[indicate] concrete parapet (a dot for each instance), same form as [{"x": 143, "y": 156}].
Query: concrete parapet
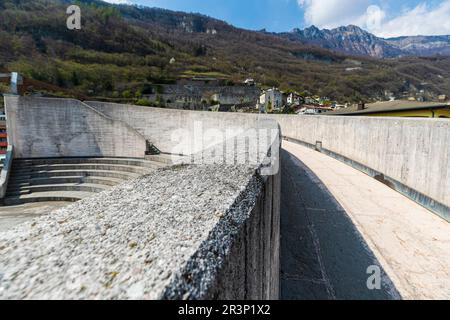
[
  {"x": 208, "y": 230},
  {"x": 240, "y": 258},
  {"x": 187, "y": 232}
]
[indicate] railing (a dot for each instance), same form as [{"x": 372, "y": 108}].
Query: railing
[
  {"x": 4, "y": 176},
  {"x": 151, "y": 149}
]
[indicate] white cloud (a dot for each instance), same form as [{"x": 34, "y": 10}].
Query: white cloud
[
  {"x": 420, "y": 20},
  {"x": 333, "y": 13}
]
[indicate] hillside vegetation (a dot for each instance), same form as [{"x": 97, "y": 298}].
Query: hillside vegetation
[{"x": 122, "y": 50}]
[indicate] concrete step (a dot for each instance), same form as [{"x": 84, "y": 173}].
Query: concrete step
[
  {"x": 90, "y": 166},
  {"x": 113, "y": 161},
  {"x": 69, "y": 196},
  {"x": 71, "y": 179},
  {"x": 168, "y": 159},
  {"x": 70, "y": 173},
  {"x": 107, "y": 181},
  {"x": 86, "y": 187},
  {"x": 16, "y": 192},
  {"x": 13, "y": 183}
]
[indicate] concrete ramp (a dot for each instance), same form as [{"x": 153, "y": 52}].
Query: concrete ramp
[{"x": 338, "y": 224}]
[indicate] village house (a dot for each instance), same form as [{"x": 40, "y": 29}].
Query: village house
[
  {"x": 271, "y": 99},
  {"x": 312, "y": 100},
  {"x": 250, "y": 82},
  {"x": 199, "y": 93},
  {"x": 294, "y": 99}
]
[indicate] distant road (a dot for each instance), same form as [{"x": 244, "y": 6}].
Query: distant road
[{"x": 337, "y": 222}]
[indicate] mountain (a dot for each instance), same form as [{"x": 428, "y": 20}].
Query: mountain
[
  {"x": 123, "y": 51},
  {"x": 422, "y": 45},
  {"x": 351, "y": 39},
  {"x": 356, "y": 41}
]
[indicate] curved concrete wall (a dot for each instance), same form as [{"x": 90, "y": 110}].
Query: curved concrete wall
[
  {"x": 410, "y": 155},
  {"x": 415, "y": 153},
  {"x": 168, "y": 128},
  {"x": 41, "y": 127}
]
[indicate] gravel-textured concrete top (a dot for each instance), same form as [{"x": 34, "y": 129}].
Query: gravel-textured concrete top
[{"x": 126, "y": 243}]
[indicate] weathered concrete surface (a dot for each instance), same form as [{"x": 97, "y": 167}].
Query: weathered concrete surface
[
  {"x": 240, "y": 260},
  {"x": 176, "y": 233},
  {"x": 41, "y": 127},
  {"x": 415, "y": 152},
  {"x": 12, "y": 216},
  {"x": 337, "y": 221}
]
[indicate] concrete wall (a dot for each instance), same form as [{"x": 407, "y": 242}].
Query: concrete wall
[
  {"x": 240, "y": 260},
  {"x": 252, "y": 270},
  {"x": 412, "y": 153},
  {"x": 168, "y": 128},
  {"x": 40, "y": 127}
]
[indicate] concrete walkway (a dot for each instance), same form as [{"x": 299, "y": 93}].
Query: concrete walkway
[
  {"x": 337, "y": 222},
  {"x": 11, "y": 216}
]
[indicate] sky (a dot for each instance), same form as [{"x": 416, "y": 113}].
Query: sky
[{"x": 384, "y": 18}]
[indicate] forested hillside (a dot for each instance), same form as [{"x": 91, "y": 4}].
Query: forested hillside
[{"x": 122, "y": 50}]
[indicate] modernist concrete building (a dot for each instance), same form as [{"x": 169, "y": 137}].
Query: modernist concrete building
[{"x": 226, "y": 210}]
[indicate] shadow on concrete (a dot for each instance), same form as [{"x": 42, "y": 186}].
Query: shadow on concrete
[{"x": 323, "y": 256}]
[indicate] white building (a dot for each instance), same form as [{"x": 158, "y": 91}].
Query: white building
[
  {"x": 293, "y": 98},
  {"x": 250, "y": 82},
  {"x": 272, "y": 99}
]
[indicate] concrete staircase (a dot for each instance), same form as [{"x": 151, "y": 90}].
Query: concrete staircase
[
  {"x": 71, "y": 179},
  {"x": 169, "y": 159}
]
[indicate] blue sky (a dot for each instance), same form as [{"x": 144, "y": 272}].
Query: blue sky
[{"x": 382, "y": 17}]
